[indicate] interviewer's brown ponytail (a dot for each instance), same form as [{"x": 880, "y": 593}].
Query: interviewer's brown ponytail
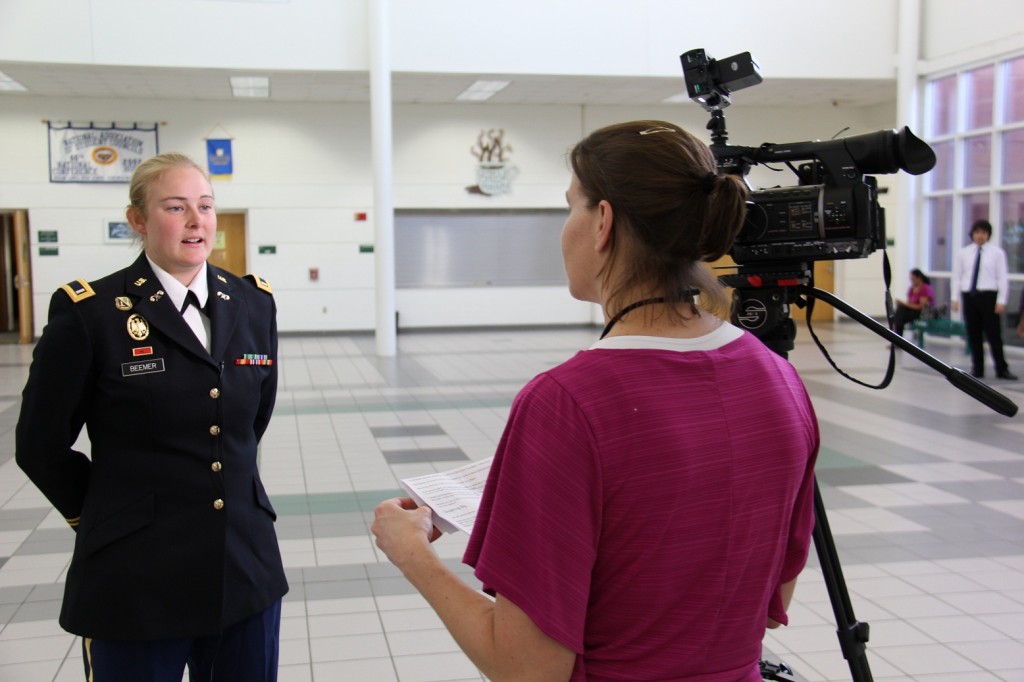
[{"x": 670, "y": 205}]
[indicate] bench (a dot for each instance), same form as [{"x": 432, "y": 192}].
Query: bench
[{"x": 938, "y": 327}]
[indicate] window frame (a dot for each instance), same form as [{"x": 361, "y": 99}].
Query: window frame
[{"x": 960, "y": 133}]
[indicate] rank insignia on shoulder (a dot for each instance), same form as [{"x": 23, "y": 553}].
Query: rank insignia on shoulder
[
  {"x": 122, "y": 303},
  {"x": 79, "y": 290},
  {"x": 261, "y": 283}
]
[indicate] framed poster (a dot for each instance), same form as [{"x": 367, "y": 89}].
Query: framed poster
[{"x": 117, "y": 231}]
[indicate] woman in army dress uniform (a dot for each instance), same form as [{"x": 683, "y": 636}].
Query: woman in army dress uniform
[{"x": 176, "y": 561}]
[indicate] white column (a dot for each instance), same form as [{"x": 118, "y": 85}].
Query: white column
[
  {"x": 903, "y": 221},
  {"x": 383, "y": 202}
]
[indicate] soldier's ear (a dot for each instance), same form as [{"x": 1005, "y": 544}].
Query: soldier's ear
[{"x": 136, "y": 219}]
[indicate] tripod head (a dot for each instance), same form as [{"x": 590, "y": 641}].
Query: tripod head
[{"x": 761, "y": 300}]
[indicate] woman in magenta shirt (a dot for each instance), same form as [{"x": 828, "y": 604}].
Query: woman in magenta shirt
[
  {"x": 650, "y": 504},
  {"x": 920, "y": 296}
]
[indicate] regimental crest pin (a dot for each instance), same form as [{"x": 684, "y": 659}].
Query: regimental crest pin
[
  {"x": 138, "y": 328},
  {"x": 157, "y": 296},
  {"x": 221, "y": 294},
  {"x": 123, "y": 303}
]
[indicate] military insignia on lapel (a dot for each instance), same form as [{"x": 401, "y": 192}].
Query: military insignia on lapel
[
  {"x": 221, "y": 294},
  {"x": 140, "y": 281},
  {"x": 123, "y": 303},
  {"x": 138, "y": 328},
  {"x": 222, "y": 278},
  {"x": 157, "y": 296}
]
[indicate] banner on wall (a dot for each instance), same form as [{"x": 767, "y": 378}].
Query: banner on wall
[
  {"x": 99, "y": 154},
  {"x": 218, "y": 157}
]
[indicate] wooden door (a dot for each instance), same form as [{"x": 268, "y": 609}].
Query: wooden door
[
  {"x": 229, "y": 246},
  {"x": 725, "y": 261},
  {"x": 8, "y": 290},
  {"x": 824, "y": 279},
  {"x": 23, "y": 276}
]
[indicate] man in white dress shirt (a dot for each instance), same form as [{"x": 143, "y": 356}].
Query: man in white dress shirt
[{"x": 980, "y": 279}]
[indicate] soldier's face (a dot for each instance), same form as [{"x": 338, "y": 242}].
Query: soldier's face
[{"x": 180, "y": 223}]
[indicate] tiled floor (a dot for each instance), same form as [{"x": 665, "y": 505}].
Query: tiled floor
[{"x": 924, "y": 489}]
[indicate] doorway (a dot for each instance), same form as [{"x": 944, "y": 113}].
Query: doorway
[
  {"x": 824, "y": 279},
  {"x": 229, "y": 245},
  {"x": 16, "y": 323}
]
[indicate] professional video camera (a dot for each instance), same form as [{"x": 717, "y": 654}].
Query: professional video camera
[{"x": 833, "y": 212}]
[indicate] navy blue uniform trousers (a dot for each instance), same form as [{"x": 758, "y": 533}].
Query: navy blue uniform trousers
[{"x": 244, "y": 652}]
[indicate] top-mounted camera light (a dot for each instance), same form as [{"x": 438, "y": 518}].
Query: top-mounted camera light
[{"x": 709, "y": 82}]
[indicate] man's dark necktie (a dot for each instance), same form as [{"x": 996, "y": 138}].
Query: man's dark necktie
[{"x": 974, "y": 275}]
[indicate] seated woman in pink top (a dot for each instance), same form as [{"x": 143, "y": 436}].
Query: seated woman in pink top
[
  {"x": 920, "y": 295},
  {"x": 650, "y": 504}
]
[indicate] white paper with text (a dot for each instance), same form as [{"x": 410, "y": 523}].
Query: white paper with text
[{"x": 453, "y": 496}]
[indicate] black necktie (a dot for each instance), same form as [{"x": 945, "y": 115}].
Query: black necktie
[
  {"x": 974, "y": 275},
  {"x": 191, "y": 299}
]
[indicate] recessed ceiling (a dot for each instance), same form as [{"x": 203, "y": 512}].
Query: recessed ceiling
[{"x": 130, "y": 82}]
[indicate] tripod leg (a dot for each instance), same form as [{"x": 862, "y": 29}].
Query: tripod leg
[{"x": 853, "y": 635}]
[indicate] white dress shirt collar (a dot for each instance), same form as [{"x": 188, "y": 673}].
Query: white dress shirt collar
[{"x": 177, "y": 291}]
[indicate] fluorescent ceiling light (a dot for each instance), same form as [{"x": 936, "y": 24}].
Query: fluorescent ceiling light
[
  {"x": 481, "y": 90},
  {"x": 9, "y": 84},
  {"x": 250, "y": 86}
]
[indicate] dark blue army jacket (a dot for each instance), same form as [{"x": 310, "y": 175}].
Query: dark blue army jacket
[{"x": 175, "y": 532}]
